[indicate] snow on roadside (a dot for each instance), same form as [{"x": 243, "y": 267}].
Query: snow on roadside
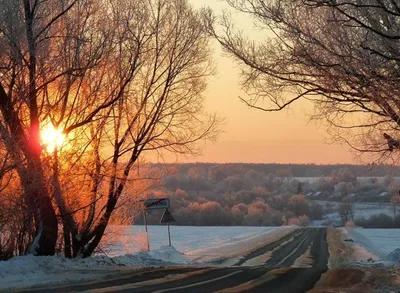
[
  {"x": 200, "y": 243},
  {"x": 26, "y": 271},
  {"x": 383, "y": 244},
  {"x": 169, "y": 254},
  {"x": 379, "y": 241},
  {"x": 365, "y": 242},
  {"x": 362, "y": 246}
]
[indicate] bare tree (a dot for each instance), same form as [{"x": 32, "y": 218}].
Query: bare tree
[
  {"x": 346, "y": 210},
  {"x": 341, "y": 55},
  {"x": 119, "y": 78},
  {"x": 35, "y": 37}
]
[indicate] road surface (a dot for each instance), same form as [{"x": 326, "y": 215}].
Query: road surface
[{"x": 293, "y": 263}]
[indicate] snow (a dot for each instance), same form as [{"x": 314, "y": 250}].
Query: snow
[
  {"x": 26, "y": 271},
  {"x": 360, "y": 210},
  {"x": 233, "y": 248},
  {"x": 193, "y": 241},
  {"x": 190, "y": 245},
  {"x": 379, "y": 242},
  {"x": 35, "y": 244},
  {"x": 361, "y": 179},
  {"x": 394, "y": 255},
  {"x": 372, "y": 247},
  {"x": 366, "y": 210},
  {"x": 169, "y": 254},
  {"x": 362, "y": 254}
]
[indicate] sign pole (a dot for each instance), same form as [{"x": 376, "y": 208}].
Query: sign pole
[
  {"x": 167, "y": 218},
  {"x": 147, "y": 232},
  {"x": 169, "y": 235}
]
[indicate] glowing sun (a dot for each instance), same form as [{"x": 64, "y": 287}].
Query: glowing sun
[{"x": 52, "y": 137}]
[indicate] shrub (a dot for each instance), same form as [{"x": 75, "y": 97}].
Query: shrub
[
  {"x": 376, "y": 221},
  {"x": 316, "y": 211},
  {"x": 350, "y": 224},
  {"x": 304, "y": 221}
]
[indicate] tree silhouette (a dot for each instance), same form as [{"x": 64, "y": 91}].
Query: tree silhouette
[{"x": 341, "y": 55}]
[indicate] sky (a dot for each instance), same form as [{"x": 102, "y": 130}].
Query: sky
[{"x": 254, "y": 136}]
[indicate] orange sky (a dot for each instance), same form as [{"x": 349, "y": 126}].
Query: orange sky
[{"x": 255, "y": 136}]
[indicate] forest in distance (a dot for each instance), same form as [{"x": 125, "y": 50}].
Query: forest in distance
[
  {"x": 296, "y": 170},
  {"x": 269, "y": 194}
]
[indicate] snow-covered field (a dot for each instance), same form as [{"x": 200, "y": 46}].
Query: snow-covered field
[
  {"x": 359, "y": 178},
  {"x": 190, "y": 245},
  {"x": 192, "y": 241},
  {"x": 365, "y": 210},
  {"x": 360, "y": 210},
  {"x": 382, "y": 243}
]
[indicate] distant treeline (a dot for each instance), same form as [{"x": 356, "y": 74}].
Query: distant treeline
[
  {"x": 264, "y": 194},
  {"x": 301, "y": 170}
]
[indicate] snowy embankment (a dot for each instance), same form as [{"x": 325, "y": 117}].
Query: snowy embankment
[
  {"x": 26, "y": 271},
  {"x": 189, "y": 245},
  {"x": 374, "y": 245}
]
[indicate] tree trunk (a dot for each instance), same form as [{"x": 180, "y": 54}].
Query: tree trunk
[
  {"x": 48, "y": 227},
  {"x": 67, "y": 241},
  {"x": 88, "y": 245},
  {"x": 40, "y": 204}
]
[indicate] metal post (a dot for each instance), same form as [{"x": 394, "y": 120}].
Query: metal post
[
  {"x": 169, "y": 235},
  {"x": 147, "y": 232}
]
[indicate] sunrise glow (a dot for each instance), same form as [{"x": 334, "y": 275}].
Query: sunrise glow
[{"x": 52, "y": 138}]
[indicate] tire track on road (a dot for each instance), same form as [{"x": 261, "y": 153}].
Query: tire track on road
[
  {"x": 267, "y": 248},
  {"x": 287, "y": 254},
  {"x": 293, "y": 280}
]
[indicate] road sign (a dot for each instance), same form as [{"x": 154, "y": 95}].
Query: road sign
[
  {"x": 156, "y": 203},
  {"x": 167, "y": 218}
]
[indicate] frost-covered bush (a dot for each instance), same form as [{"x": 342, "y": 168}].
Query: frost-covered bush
[{"x": 350, "y": 224}]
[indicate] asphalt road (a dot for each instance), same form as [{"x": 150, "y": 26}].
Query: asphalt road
[{"x": 272, "y": 268}]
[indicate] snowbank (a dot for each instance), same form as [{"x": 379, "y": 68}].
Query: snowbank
[
  {"x": 394, "y": 256},
  {"x": 26, "y": 271},
  {"x": 189, "y": 243},
  {"x": 169, "y": 254}
]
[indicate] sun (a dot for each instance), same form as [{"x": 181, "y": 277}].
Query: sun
[{"x": 52, "y": 138}]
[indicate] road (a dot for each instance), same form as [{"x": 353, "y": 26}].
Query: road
[{"x": 293, "y": 263}]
